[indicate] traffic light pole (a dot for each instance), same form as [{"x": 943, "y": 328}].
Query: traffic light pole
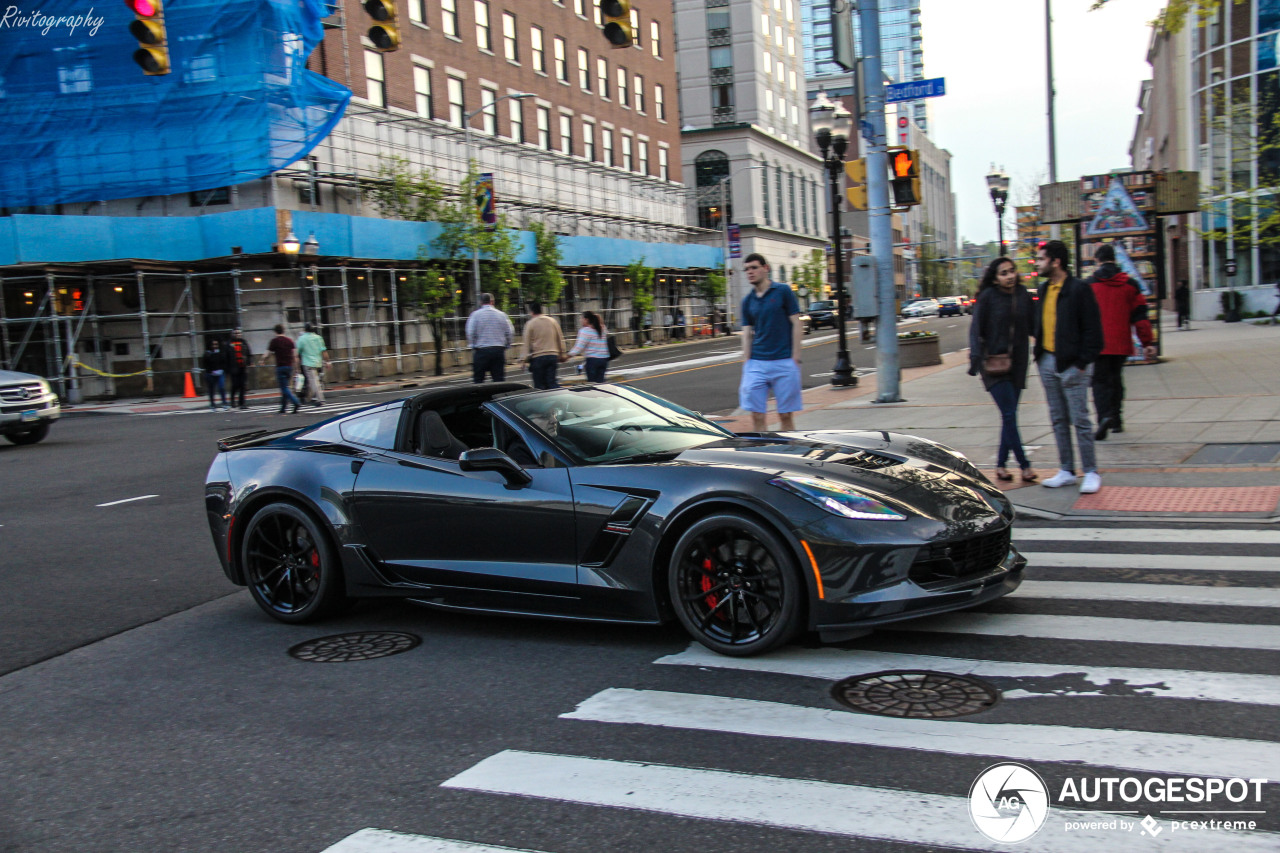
[{"x": 879, "y": 214}]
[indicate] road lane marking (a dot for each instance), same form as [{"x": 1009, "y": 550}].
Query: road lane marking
[
  {"x": 385, "y": 841},
  {"x": 1211, "y": 635},
  {"x": 1170, "y": 562},
  {"x": 1148, "y": 752},
  {"x": 1036, "y": 679},
  {"x": 1146, "y": 535},
  {"x": 859, "y": 811},
  {"x": 128, "y": 500},
  {"x": 1150, "y": 593}
]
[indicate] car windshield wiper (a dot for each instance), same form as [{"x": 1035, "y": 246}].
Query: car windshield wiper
[{"x": 658, "y": 456}]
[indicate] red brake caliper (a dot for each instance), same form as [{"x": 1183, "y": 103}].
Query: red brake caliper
[
  {"x": 707, "y": 583},
  {"x": 315, "y": 564}
]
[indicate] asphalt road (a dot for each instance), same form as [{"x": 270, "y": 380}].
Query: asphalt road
[{"x": 147, "y": 704}]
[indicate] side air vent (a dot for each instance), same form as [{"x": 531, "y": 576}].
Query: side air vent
[
  {"x": 868, "y": 461},
  {"x": 616, "y": 529}
]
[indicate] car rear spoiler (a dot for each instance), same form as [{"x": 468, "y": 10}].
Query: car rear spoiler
[{"x": 249, "y": 439}]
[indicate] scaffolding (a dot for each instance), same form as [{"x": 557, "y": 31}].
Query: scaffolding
[{"x": 107, "y": 332}]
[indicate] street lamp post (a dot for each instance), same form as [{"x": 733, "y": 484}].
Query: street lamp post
[
  {"x": 998, "y": 184},
  {"x": 466, "y": 127},
  {"x": 829, "y": 121}
]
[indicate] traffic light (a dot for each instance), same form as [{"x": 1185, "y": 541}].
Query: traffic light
[
  {"x": 856, "y": 172},
  {"x": 904, "y": 171},
  {"x": 383, "y": 33},
  {"x": 152, "y": 54},
  {"x": 617, "y": 22}
]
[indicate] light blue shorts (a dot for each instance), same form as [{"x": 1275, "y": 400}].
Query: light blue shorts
[{"x": 781, "y": 376}]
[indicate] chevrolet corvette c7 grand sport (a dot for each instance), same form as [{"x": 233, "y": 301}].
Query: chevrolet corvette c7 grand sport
[{"x": 602, "y": 502}]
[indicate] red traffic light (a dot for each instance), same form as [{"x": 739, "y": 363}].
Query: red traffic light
[
  {"x": 902, "y": 122},
  {"x": 144, "y": 8}
]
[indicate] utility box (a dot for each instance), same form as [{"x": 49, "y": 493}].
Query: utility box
[{"x": 866, "y": 302}]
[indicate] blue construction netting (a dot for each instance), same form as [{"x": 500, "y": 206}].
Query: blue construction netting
[{"x": 80, "y": 122}]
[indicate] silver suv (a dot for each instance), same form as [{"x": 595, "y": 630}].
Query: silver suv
[{"x": 28, "y": 407}]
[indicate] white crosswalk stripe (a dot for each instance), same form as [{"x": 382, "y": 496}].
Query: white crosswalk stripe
[
  {"x": 1037, "y": 679},
  {"x": 1107, "y": 745}
]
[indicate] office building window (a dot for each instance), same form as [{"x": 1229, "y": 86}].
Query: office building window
[
  {"x": 635, "y": 25},
  {"x": 562, "y": 64},
  {"x": 813, "y": 204},
  {"x": 449, "y": 17},
  {"x": 764, "y": 190},
  {"x": 584, "y": 70},
  {"x": 535, "y": 45},
  {"x": 622, "y": 86},
  {"x": 642, "y": 158},
  {"x": 597, "y": 16},
  {"x": 659, "y": 102},
  {"x": 638, "y": 91},
  {"x": 791, "y": 193},
  {"x": 711, "y": 174},
  {"x": 566, "y": 134},
  {"x": 782, "y": 201},
  {"x": 488, "y": 103},
  {"x": 720, "y": 57},
  {"x": 602, "y": 76},
  {"x": 515, "y": 114},
  {"x": 376, "y": 78},
  {"x": 457, "y": 107},
  {"x": 417, "y": 12},
  {"x": 606, "y": 146},
  {"x": 767, "y": 63},
  {"x": 510, "y": 43},
  {"x": 484, "y": 39},
  {"x": 768, "y": 100},
  {"x": 589, "y": 140},
  {"x": 580, "y": 8},
  {"x": 628, "y": 161},
  {"x": 544, "y": 128},
  {"x": 664, "y": 170},
  {"x": 655, "y": 39},
  {"x": 804, "y": 208},
  {"x": 422, "y": 91}
]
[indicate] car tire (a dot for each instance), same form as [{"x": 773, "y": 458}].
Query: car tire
[
  {"x": 734, "y": 585},
  {"x": 290, "y": 565},
  {"x": 30, "y": 436}
]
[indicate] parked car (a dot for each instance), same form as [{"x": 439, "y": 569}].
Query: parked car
[
  {"x": 822, "y": 313},
  {"x": 613, "y": 505},
  {"x": 950, "y": 306},
  {"x": 921, "y": 308},
  {"x": 28, "y": 407},
  {"x": 969, "y": 302}
]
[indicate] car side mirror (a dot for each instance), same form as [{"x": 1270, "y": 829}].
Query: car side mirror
[{"x": 493, "y": 459}]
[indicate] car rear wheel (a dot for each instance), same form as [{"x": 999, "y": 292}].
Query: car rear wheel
[
  {"x": 30, "y": 436},
  {"x": 734, "y": 586},
  {"x": 290, "y": 566}
]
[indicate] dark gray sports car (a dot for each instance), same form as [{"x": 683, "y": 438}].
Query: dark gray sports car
[{"x": 602, "y": 502}]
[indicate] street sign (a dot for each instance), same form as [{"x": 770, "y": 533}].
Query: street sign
[
  {"x": 915, "y": 90},
  {"x": 735, "y": 242}
]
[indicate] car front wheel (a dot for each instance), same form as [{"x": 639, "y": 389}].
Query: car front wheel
[
  {"x": 290, "y": 566},
  {"x": 734, "y": 586},
  {"x": 30, "y": 436}
]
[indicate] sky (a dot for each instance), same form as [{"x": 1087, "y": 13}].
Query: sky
[{"x": 992, "y": 54}]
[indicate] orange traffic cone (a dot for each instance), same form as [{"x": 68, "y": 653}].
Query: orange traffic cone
[{"x": 189, "y": 387}]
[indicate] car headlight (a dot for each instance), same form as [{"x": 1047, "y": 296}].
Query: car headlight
[
  {"x": 44, "y": 388},
  {"x": 837, "y": 499}
]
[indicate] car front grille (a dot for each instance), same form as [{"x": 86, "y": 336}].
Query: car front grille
[
  {"x": 944, "y": 563},
  {"x": 26, "y": 391}
]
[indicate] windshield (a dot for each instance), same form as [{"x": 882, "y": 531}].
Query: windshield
[
  {"x": 820, "y": 306},
  {"x": 603, "y": 425}
]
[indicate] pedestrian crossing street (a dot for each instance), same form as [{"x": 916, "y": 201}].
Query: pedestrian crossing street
[{"x": 1071, "y": 706}]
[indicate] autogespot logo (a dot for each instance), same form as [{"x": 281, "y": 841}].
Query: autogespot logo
[{"x": 1009, "y": 803}]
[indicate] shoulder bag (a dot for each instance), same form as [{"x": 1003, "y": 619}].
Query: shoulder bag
[
  {"x": 615, "y": 351},
  {"x": 1001, "y": 364}
]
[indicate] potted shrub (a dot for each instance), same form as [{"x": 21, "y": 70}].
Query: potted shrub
[{"x": 918, "y": 349}]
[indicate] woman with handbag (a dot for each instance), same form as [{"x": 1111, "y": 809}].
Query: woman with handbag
[
  {"x": 999, "y": 337},
  {"x": 593, "y": 343}
]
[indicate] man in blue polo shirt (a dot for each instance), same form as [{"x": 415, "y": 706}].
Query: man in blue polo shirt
[{"x": 771, "y": 335}]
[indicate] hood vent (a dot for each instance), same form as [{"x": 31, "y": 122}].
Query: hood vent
[{"x": 868, "y": 461}]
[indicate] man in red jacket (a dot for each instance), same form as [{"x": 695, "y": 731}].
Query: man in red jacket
[{"x": 1123, "y": 307}]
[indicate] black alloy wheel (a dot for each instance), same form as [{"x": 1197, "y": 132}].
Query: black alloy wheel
[
  {"x": 290, "y": 566},
  {"x": 734, "y": 586},
  {"x": 30, "y": 436}
]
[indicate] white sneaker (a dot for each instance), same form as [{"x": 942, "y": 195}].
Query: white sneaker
[
  {"x": 1062, "y": 478},
  {"x": 1092, "y": 482}
]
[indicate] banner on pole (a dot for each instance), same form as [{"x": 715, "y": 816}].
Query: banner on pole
[{"x": 486, "y": 210}]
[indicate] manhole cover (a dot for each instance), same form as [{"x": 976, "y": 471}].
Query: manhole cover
[
  {"x": 915, "y": 694},
  {"x": 366, "y": 645}
]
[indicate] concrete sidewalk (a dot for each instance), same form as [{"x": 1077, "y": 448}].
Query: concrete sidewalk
[{"x": 1196, "y": 428}]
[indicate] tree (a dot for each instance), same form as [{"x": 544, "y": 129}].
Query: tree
[
  {"x": 641, "y": 278},
  {"x": 812, "y": 274},
  {"x": 405, "y": 194},
  {"x": 935, "y": 278},
  {"x": 1173, "y": 17},
  {"x": 547, "y": 282},
  {"x": 711, "y": 287}
]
